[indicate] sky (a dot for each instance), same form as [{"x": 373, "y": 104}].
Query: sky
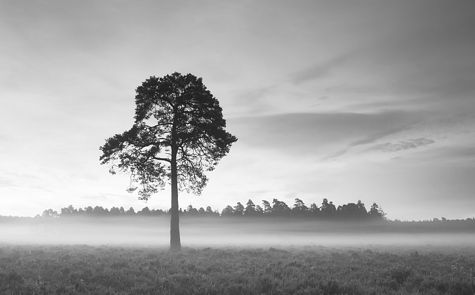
[{"x": 347, "y": 100}]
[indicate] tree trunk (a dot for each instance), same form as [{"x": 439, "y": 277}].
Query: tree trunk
[{"x": 175, "y": 244}]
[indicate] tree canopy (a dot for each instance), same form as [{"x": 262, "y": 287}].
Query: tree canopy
[
  {"x": 178, "y": 134},
  {"x": 173, "y": 114}
]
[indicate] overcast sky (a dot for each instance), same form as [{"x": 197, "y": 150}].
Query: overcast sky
[{"x": 345, "y": 100}]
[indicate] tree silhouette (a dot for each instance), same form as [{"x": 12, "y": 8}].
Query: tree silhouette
[
  {"x": 178, "y": 134},
  {"x": 376, "y": 212},
  {"x": 259, "y": 210},
  {"x": 250, "y": 209},
  {"x": 50, "y": 213},
  {"x": 327, "y": 210},
  {"x": 227, "y": 211},
  {"x": 280, "y": 208},
  {"x": 191, "y": 211},
  {"x": 267, "y": 207},
  {"x": 210, "y": 212},
  {"x": 145, "y": 211},
  {"x": 314, "y": 210},
  {"x": 130, "y": 212},
  {"x": 114, "y": 211},
  {"x": 238, "y": 209},
  {"x": 89, "y": 210},
  {"x": 345, "y": 212},
  {"x": 352, "y": 211},
  {"x": 299, "y": 209}
]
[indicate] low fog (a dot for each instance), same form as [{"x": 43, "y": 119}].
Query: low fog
[{"x": 226, "y": 232}]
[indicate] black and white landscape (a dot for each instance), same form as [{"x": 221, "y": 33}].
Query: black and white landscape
[{"x": 237, "y": 147}]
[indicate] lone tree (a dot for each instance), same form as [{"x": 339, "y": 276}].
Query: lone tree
[{"x": 178, "y": 134}]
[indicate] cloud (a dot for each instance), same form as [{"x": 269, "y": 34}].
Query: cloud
[
  {"x": 319, "y": 134},
  {"x": 403, "y": 145},
  {"x": 367, "y": 140},
  {"x": 319, "y": 70},
  {"x": 6, "y": 182}
]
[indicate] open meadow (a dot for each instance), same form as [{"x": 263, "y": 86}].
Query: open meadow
[
  {"x": 234, "y": 256},
  {"x": 304, "y": 270}
]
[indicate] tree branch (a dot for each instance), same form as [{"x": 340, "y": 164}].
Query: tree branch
[{"x": 162, "y": 159}]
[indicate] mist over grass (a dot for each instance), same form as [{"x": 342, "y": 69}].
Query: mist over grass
[
  {"x": 129, "y": 255},
  {"x": 240, "y": 232}
]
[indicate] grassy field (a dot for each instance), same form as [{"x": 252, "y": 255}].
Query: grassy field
[{"x": 316, "y": 270}]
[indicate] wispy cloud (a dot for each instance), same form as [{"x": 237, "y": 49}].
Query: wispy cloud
[
  {"x": 367, "y": 140},
  {"x": 319, "y": 70},
  {"x": 319, "y": 133},
  {"x": 403, "y": 145}
]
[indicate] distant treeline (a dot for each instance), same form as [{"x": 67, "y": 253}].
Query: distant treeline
[{"x": 327, "y": 210}]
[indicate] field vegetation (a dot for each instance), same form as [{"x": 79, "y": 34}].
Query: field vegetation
[{"x": 316, "y": 270}]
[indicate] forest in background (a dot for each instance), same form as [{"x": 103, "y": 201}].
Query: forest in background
[
  {"x": 327, "y": 210},
  {"x": 273, "y": 223}
]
